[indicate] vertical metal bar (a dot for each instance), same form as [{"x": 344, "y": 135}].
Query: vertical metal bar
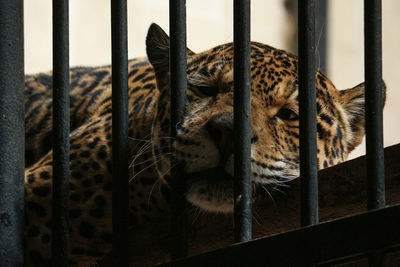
[
  {"x": 307, "y": 108},
  {"x": 373, "y": 103},
  {"x": 11, "y": 133},
  {"x": 60, "y": 232},
  {"x": 120, "y": 203},
  {"x": 177, "y": 21},
  {"x": 242, "y": 129},
  {"x": 321, "y": 28},
  {"x": 373, "y": 112}
]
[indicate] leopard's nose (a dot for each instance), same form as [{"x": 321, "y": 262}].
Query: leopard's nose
[{"x": 220, "y": 130}]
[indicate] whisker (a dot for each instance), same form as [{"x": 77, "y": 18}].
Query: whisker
[
  {"x": 156, "y": 182},
  {"x": 143, "y": 147},
  {"x": 256, "y": 217},
  {"x": 147, "y": 149},
  {"x": 266, "y": 190},
  {"x": 278, "y": 190},
  {"x": 146, "y": 168},
  {"x": 151, "y": 191},
  {"x": 197, "y": 213},
  {"x": 317, "y": 46},
  {"x": 133, "y": 164},
  {"x": 150, "y": 140}
]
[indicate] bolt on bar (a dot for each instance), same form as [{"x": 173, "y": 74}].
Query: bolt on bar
[
  {"x": 307, "y": 110},
  {"x": 374, "y": 103},
  {"x": 60, "y": 231},
  {"x": 120, "y": 193},
  {"x": 242, "y": 129},
  {"x": 12, "y": 133},
  {"x": 178, "y": 84}
]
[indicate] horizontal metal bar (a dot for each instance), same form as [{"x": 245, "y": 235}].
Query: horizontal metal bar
[
  {"x": 242, "y": 129},
  {"x": 309, "y": 245},
  {"x": 12, "y": 133},
  {"x": 60, "y": 230},
  {"x": 120, "y": 193},
  {"x": 178, "y": 83},
  {"x": 307, "y": 110}
]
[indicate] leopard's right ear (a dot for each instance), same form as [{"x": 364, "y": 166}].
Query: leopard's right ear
[{"x": 157, "y": 48}]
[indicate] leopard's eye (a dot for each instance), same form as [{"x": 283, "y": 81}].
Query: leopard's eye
[
  {"x": 207, "y": 90},
  {"x": 287, "y": 114}
]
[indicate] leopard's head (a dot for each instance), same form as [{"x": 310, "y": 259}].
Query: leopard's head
[{"x": 204, "y": 141}]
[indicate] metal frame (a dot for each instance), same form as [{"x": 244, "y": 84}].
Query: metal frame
[
  {"x": 241, "y": 124},
  {"x": 309, "y": 245},
  {"x": 61, "y": 122},
  {"x": 308, "y": 113},
  {"x": 120, "y": 191},
  {"x": 374, "y": 103},
  {"x": 12, "y": 133},
  {"x": 177, "y": 22}
]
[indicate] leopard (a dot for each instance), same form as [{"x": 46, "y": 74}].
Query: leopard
[{"x": 203, "y": 145}]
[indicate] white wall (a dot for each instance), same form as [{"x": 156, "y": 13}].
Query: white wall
[
  {"x": 346, "y": 57},
  {"x": 210, "y": 23}
]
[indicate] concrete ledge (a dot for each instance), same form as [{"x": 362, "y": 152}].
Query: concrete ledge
[{"x": 342, "y": 190}]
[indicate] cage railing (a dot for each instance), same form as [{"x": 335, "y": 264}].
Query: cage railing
[
  {"x": 374, "y": 103},
  {"x": 373, "y": 112},
  {"x": 61, "y": 124},
  {"x": 12, "y": 132},
  {"x": 307, "y": 113},
  {"x": 241, "y": 122},
  {"x": 120, "y": 178},
  {"x": 178, "y": 85},
  {"x": 309, "y": 245}
]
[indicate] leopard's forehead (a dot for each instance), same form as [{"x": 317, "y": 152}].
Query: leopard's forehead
[
  {"x": 273, "y": 72},
  {"x": 261, "y": 55}
]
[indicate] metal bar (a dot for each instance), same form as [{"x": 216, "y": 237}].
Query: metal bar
[
  {"x": 242, "y": 129},
  {"x": 309, "y": 245},
  {"x": 373, "y": 112},
  {"x": 120, "y": 193},
  {"x": 307, "y": 110},
  {"x": 12, "y": 133},
  {"x": 374, "y": 103},
  {"x": 321, "y": 29},
  {"x": 60, "y": 231},
  {"x": 177, "y": 21}
]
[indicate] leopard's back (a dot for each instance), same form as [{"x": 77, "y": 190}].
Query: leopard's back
[{"x": 87, "y": 86}]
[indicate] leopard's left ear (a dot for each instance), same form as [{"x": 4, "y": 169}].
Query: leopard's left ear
[
  {"x": 157, "y": 48},
  {"x": 352, "y": 100}
]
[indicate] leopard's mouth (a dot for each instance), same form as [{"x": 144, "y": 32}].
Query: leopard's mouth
[{"x": 211, "y": 190}]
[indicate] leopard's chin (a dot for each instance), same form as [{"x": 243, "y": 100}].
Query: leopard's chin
[{"x": 211, "y": 190}]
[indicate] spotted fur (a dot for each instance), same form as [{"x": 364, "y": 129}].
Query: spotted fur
[{"x": 203, "y": 145}]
